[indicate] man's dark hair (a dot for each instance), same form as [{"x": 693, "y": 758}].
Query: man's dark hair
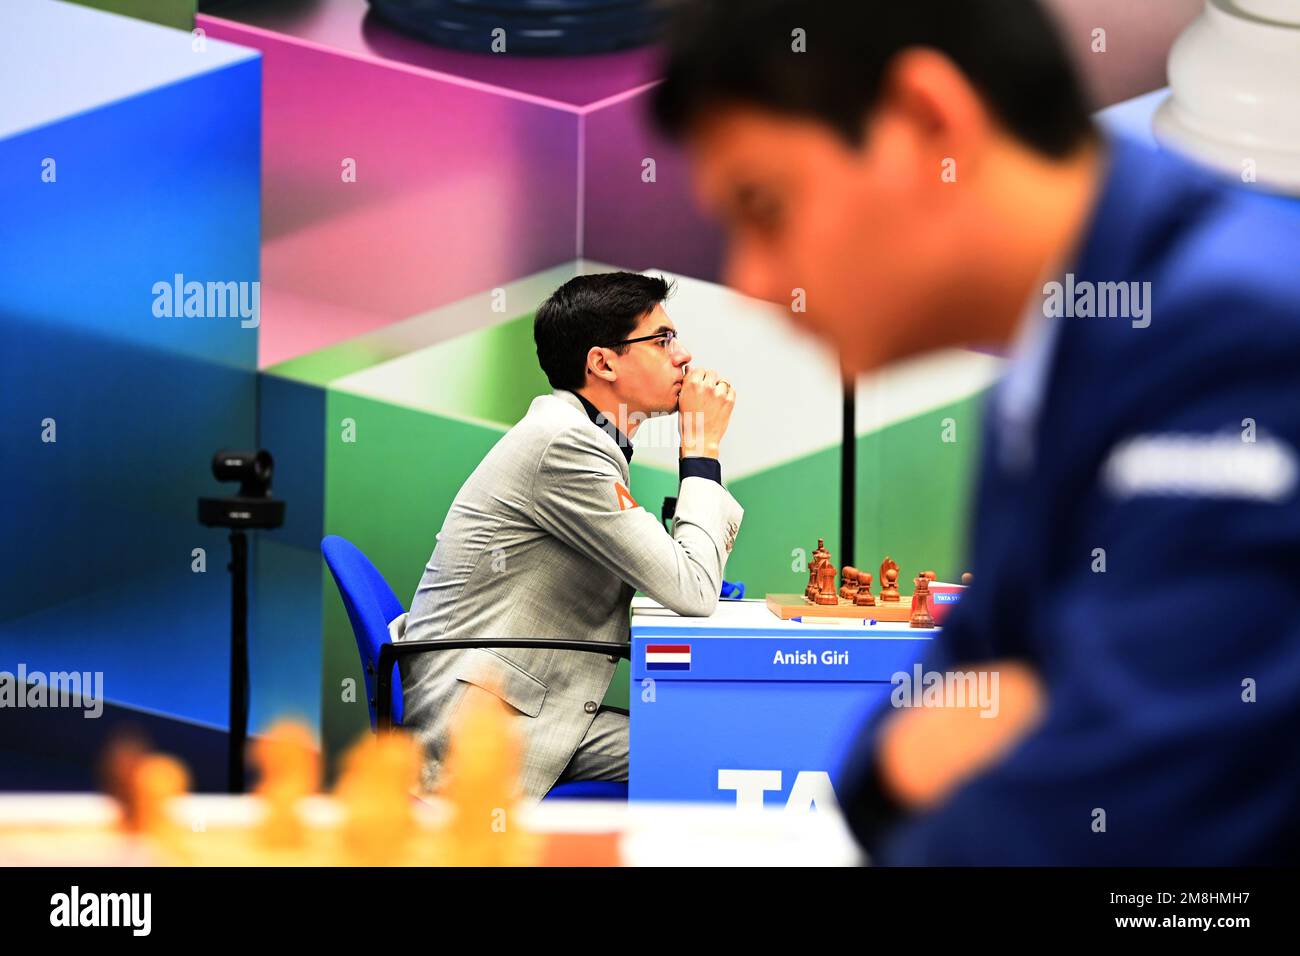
[
  {"x": 588, "y": 311},
  {"x": 740, "y": 52}
]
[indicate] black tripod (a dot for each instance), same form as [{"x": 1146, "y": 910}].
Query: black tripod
[
  {"x": 238, "y": 659},
  {"x": 252, "y": 508}
]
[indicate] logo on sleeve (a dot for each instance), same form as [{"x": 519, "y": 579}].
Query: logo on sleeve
[
  {"x": 1191, "y": 465},
  {"x": 625, "y": 499}
]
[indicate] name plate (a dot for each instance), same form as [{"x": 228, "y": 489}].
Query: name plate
[{"x": 679, "y": 656}]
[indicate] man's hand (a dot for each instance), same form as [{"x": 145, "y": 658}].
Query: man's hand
[
  {"x": 926, "y": 752},
  {"x": 704, "y": 412}
]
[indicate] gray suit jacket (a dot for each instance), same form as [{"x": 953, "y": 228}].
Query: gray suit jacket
[{"x": 540, "y": 542}]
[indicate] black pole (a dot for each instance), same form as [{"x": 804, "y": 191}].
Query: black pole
[
  {"x": 848, "y": 474},
  {"x": 238, "y": 658}
]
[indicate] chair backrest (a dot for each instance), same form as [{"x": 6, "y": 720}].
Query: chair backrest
[{"x": 370, "y": 604}]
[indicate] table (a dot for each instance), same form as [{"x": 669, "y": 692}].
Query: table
[
  {"x": 83, "y": 830},
  {"x": 746, "y": 709}
]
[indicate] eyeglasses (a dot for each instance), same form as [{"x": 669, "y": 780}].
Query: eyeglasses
[{"x": 668, "y": 339}]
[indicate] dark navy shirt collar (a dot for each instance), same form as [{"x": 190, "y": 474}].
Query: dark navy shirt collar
[{"x": 600, "y": 421}]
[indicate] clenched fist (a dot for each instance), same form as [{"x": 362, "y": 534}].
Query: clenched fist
[{"x": 704, "y": 408}]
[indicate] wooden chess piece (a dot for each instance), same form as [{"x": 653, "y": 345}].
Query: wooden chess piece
[
  {"x": 889, "y": 581},
  {"x": 864, "y": 597},
  {"x": 819, "y": 557},
  {"x": 826, "y": 592},
  {"x": 848, "y": 583},
  {"x": 921, "y": 616},
  {"x": 157, "y": 782},
  {"x": 929, "y": 576},
  {"x": 117, "y": 771},
  {"x": 290, "y": 772},
  {"x": 375, "y": 789},
  {"x": 483, "y": 769}
]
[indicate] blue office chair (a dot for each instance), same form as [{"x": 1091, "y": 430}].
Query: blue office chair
[
  {"x": 732, "y": 590},
  {"x": 371, "y": 605}
]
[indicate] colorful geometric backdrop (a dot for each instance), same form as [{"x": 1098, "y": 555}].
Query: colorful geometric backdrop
[{"x": 405, "y": 209}]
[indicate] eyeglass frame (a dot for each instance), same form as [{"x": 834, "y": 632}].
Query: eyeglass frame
[{"x": 669, "y": 334}]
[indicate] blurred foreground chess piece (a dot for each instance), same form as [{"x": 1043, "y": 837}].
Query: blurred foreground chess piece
[
  {"x": 144, "y": 785},
  {"x": 921, "y": 616},
  {"x": 117, "y": 770},
  {"x": 864, "y": 597},
  {"x": 159, "y": 780},
  {"x": 889, "y": 581},
  {"x": 289, "y": 770},
  {"x": 483, "y": 786},
  {"x": 375, "y": 790},
  {"x": 380, "y": 820}
]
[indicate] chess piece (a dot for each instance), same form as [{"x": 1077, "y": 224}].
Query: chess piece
[
  {"x": 826, "y": 584},
  {"x": 889, "y": 581},
  {"x": 820, "y": 556},
  {"x": 848, "y": 583},
  {"x": 145, "y": 786},
  {"x": 157, "y": 781},
  {"x": 482, "y": 787},
  {"x": 864, "y": 597},
  {"x": 290, "y": 772},
  {"x": 375, "y": 788},
  {"x": 117, "y": 772},
  {"x": 966, "y": 579},
  {"x": 921, "y": 616}
]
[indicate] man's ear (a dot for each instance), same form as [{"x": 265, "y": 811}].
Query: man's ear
[
  {"x": 928, "y": 117},
  {"x": 598, "y": 364}
]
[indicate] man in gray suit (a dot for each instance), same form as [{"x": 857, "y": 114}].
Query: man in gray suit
[{"x": 545, "y": 539}]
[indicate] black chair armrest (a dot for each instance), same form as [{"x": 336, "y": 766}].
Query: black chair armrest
[{"x": 390, "y": 654}]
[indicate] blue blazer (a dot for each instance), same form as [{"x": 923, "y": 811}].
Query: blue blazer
[{"x": 1173, "y": 675}]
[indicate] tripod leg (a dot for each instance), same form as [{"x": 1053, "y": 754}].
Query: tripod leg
[{"x": 238, "y": 658}]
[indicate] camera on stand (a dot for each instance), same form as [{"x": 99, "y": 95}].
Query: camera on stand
[
  {"x": 251, "y": 509},
  {"x": 253, "y": 506}
]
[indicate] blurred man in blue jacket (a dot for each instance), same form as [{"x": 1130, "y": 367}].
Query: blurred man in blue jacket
[{"x": 928, "y": 175}]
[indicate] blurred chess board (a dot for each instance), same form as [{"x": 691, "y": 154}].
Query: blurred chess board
[{"x": 218, "y": 830}]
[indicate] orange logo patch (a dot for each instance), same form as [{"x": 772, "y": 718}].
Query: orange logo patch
[{"x": 625, "y": 499}]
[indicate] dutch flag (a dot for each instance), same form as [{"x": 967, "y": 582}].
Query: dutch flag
[{"x": 668, "y": 657}]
